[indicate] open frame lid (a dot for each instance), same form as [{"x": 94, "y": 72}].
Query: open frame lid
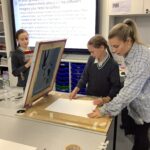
[{"x": 45, "y": 63}]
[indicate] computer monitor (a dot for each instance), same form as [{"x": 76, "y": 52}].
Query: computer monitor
[{"x": 45, "y": 63}]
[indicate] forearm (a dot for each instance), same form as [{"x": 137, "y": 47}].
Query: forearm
[
  {"x": 81, "y": 83},
  {"x": 133, "y": 85},
  {"x": 17, "y": 71},
  {"x": 85, "y": 75},
  {"x": 76, "y": 89},
  {"x": 74, "y": 92},
  {"x": 125, "y": 96},
  {"x": 18, "y": 66},
  {"x": 27, "y": 65}
]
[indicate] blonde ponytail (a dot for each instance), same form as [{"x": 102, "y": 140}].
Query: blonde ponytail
[{"x": 125, "y": 30}]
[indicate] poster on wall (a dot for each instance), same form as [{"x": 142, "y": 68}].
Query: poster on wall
[{"x": 121, "y": 6}]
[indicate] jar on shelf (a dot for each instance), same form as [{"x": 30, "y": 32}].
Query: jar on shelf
[{"x": 5, "y": 77}]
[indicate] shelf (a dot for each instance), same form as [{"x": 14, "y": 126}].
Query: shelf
[
  {"x": 75, "y": 58},
  {"x": 129, "y": 15},
  {"x": 2, "y": 36},
  {"x": 3, "y": 65},
  {"x": 3, "y": 51}
]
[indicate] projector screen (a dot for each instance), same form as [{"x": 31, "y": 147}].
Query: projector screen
[{"x": 74, "y": 20}]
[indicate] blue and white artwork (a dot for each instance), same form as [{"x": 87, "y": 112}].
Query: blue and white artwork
[{"x": 46, "y": 69}]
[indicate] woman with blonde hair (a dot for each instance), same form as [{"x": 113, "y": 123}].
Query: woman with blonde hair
[{"x": 124, "y": 41}]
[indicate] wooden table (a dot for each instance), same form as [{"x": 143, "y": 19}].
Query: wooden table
[
  {"x": 49, "y": 130},
  {"x": 37, "y": 111}
]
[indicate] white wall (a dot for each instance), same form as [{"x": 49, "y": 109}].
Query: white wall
[{"x": 104, "y": 18}]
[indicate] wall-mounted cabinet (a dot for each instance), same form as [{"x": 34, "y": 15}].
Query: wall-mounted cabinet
[
  {"x": 147, "y": 6},
  {"x": 130, "y": 7}
]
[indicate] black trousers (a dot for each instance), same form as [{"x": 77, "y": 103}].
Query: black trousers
[
  {"x": 141, "y": 133},
  {"x": 141, "y": 137}
]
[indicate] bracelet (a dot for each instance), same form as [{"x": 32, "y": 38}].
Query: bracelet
[{"x": 106, "y": 99}]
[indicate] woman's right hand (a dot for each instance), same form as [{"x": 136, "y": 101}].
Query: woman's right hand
[
  {"x": 74, "y": 93},
  {"x": 101, "y": 101},
  {"x": 98, "y": 102}
]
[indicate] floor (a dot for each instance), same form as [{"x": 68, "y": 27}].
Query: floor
[{"x": 122, "y": 142}]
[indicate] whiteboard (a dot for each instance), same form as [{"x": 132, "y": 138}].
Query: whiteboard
[{"x": 74, "y": 20}]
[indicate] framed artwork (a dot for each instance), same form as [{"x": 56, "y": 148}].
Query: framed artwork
[{"x": 45, "y": 62}]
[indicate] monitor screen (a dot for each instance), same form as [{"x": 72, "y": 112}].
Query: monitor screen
[
  {"x": 45, "y": 63},
  {"x": 74, "y": 20}
]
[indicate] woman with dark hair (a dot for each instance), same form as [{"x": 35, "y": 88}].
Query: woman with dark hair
[
  {"x": 101, "y": 73},
  {"x": 21, "y": 65}
]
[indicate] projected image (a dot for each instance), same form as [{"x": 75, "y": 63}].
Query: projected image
[
  {"x": 74, "y": 20},
  {"x": 46, "y": 69}
]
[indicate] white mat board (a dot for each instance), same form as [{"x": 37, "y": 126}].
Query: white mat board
[{"x": 72, "y": 107}]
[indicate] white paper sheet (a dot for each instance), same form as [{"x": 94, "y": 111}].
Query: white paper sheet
[{"x": 73, "y": 107}]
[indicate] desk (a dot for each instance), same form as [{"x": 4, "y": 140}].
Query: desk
[
  {"x": 47, "y": 135},
  {"x": 7, "y": 145},
  {"x": 52, "y": 135}
]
